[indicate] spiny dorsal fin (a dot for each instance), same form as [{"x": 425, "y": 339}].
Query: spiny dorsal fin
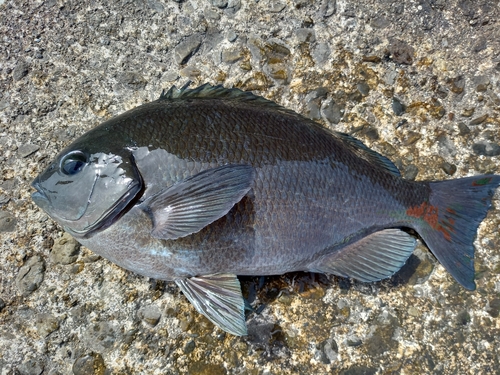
[{"x": 207, "y": 91}]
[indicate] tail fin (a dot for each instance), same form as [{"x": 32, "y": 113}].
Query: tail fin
[{"x": 449, "y": 221}]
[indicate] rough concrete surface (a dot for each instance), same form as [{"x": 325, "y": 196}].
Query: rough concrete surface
[{"x": 418, "y": 81}]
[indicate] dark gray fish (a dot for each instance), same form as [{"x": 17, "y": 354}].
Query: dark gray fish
[{"x": 205, "y": 184}]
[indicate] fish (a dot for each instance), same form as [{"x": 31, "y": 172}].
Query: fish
[{"x": 208, "y": 183}]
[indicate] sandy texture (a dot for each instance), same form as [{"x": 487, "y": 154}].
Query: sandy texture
[{"x": 417, "y": 81}]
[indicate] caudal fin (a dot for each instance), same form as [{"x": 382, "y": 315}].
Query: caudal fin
[{"x": 448, "y": 222}]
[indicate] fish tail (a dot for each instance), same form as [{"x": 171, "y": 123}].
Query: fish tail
[{"x": 448, "y": 222}]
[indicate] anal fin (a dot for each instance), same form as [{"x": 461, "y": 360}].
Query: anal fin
[
  {"x": 372, "y": 258},
  {"x": 219, "y": 298}
]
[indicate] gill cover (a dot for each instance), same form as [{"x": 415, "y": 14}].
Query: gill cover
[{"x": 86, "y": 191}]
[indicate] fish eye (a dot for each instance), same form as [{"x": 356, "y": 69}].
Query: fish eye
[{"x": 73, "y": 163}]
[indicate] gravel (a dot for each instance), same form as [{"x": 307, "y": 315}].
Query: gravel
[{"x": 68, "y": 66}]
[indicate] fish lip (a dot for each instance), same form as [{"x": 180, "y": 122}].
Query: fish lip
[{"x": 39, "y": 195}]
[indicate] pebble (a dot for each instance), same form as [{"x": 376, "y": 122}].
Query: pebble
[
  {"x": 328, "y": 8},
  {"x": 363, "y": 88},
  {"x": 321, "y": 53},
  {"x": 231, "y": 35},
  {"x": 305, "y": 35},
  {"x": 20, "y": 71},
  {"x": 233, "y": 6},
  {"x": 467, "y": 112},
  {"x": 231, "y": 55},
  {"x": 463, "y": 129},
  {"x": 91, "y": 364},
  {"x": 65, "y": 250},
  {"x": 328, "y": 351},
  {"x": 481, "y": 82},
  {"x": 219, "y": 3},
  {"x": 27, "y": 150},
  {"x": 457, "y": 84},
  {"x": 189, "y": 347},
  {"x": 46, "y": 324},
  {"x": 333, "y": 112},
  {"x": 410, "y": 172},
  {"x": 493, "y": 308},
  {"x": 448, "y": 168},
  {"x": 7, "y": 222},
  {"x": 486, "y": 149},
  {"x": 150, "y": 314},
  {"x": 30, "y": 275},
  {"x": 401, "y": 52},
  {"x": 31, "y": 367},
  {"x": 276, "y": 7},
  {"x": 479, "y": 120},
  {"x": 2, "y": 304},
  {"x": 398, "y": 107},
  {"x": 132, "y": 80},
  {"x": 186, "y": 49},
  {"x": 103, "y": 336}
]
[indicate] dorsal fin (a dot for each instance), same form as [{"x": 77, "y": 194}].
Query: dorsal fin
[
  {"x": 368, "y": 154},
  {"x": 207, "y": 91}
]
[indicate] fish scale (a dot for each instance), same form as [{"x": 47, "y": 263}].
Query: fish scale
[{"x": 208, "y": 183}]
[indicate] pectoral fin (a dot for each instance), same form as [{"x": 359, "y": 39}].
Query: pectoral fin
[
  {"x": 219, "y": 298},
  {"x": 372, "y": 258},
  {"x": 191, "y": 204}
]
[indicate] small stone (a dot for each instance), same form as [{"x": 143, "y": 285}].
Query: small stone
[
  {"x": 231, "y": 35},
  {"x": 186, "y": 49},
  {"x": 328, "y": 351},
  {"x": 321, "y": 53},
  {"x": 92, "y": 364},
  {"x": 189, "y": 347},
  {"x": 448, "y": 168},
  {"x": 150, "y": 314},
  {"x": 411, "y": 138},
  {"x": 219, "y": 3},
  {"x": 30, "y": 275},
  {"x": 211, "y": 14},
  {"x": 401, "y": 52},
  {"x": 486, "y": 149},
  {"x": 463, "y": 129},
  {"x": 481, "y": 82},
  {"x": 398, "y": 107},
  {"x": 31, "y": 367},
  {"x": 305, "y": 35},
  {"x": 467, "y": 112},
  {"x": 27, "y": 150},
  {"x": 132, "y": 80},
  {"x": 2, "y": 304},
  {"x": 363, "y": 88},
  {"x": 7, "y": 222},
  {"x": 413, "y": 311},
  {"x": 457, "y": 84},
  {"x": 276, "y": 7},
  {"x": 478, "y": 120},
  {"x": 494, "y": 307},
  {"x": 231, "y": 55},
  {"x": 46, "y": 324},
  {"x": 20, "y": 71},
  {"x": 372, "y": 59},
  {"x": 463, "y": 318},
  {"x": 328, "y": 8},
  {"x": 333, "y": 112},
  {"x": 233, "y": 6},
  {"x": 65, "y": 250},
  {"x": 410, "y": 172}
]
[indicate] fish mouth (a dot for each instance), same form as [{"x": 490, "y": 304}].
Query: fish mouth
[{"x": 39, "y": 197}]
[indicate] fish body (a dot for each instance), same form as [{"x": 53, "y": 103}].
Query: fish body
[{"x": 208, "y": 183}]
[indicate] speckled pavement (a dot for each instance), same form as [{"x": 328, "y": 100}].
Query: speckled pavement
[{"x": 418, "y": 81}]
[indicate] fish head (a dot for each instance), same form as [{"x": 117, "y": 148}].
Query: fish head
[{"x": 86, "y": 190}]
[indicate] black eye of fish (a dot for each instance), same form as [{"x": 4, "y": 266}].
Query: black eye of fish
[{"x": 73, "y": 163}]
